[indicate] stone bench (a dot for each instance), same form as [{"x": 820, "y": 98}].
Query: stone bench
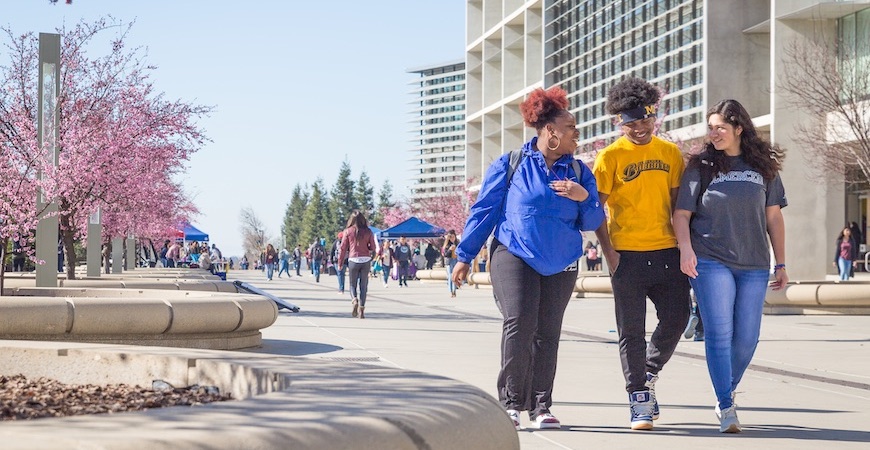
[
  {"x": 284, "y": 402},
  {"x": 137, "y": 316}
]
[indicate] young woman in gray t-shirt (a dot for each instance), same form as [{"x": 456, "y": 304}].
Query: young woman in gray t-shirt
[{"x": 722, "y": 230}]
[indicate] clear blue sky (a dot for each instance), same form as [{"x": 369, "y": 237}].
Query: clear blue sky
[{"x": 298, "y": 87}]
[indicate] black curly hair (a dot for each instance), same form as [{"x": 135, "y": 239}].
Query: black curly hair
[
  {"x": 631, "y": 93},
  {"x": 760, "y": 154}
]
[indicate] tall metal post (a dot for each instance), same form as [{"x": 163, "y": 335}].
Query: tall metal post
[
  {"x": 132, "y": 258},
  {"x": 117, "y": 255},
  {"x": 95, "y": 240},
  {"x": 47, "y": 124}
]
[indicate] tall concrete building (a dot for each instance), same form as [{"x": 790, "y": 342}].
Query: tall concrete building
[
  {"x": 438, "y": 152},
  {"x": 697, "y": 51}
]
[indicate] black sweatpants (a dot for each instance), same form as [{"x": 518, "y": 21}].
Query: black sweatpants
[
  {"x": 532, "y": 306},
  {"x": 654, "y": 274}
]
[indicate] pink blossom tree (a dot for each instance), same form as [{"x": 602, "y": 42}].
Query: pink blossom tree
[{"x": 121, "y": 143}]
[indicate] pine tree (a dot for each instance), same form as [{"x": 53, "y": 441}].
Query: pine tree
[
  {"x": 385, "y": 201},
  {"x": 292, "y": 226},
  {"x": 316, "y": 218},
  {"x": 364, "y": 194},
  {"x": 343, "y": 201}
]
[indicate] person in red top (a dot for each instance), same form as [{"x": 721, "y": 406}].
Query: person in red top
[{"x": 357, "y": 247}]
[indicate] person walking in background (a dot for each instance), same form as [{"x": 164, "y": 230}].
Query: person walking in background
[
  {"x": 297, "y": 259},
  {"x": 403, "y": 259},
  {"x": 269, "y": 258},
  {"x": 173, "y": 254},
  {"x": 318, "y": 253},
  {"x": 638, "y": 176},
  {"x": 387, "y": 259},
  {"x": 356, "y": 248},
  {"x": 284, "y": 262},
  {"x": 593, "y": 261},
  {"x": 724, "y": 247},
  {"x": 449, "y": 252},
  {"x": 163, "y": 251},
  {"x": 845, "y": 254},
  {"x": 18, "y": 256},
  {"x": 536, "y": 215},
  {"x": 431, "y": 255},
  {"x": 334, "y": 254}
]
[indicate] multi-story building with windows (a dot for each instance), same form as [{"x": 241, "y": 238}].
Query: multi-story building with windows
[
  {"x": 438, "y": 130},
  {"x": 697, "y": 51}
]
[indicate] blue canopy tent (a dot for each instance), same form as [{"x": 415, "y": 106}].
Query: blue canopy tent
[
  {"x": 191, "y": 233},
  {"x": 376, "y": 231},
  {"x": 413, "y": 228}
]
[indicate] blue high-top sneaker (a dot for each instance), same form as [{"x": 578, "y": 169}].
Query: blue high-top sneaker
[{"x": 641, "y": 410}]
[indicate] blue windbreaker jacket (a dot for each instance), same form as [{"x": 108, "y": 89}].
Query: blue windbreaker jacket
[{"x": 536, "y": 225}]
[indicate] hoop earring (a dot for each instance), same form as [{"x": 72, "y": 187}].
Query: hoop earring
[{"x": 558, "y": 142}]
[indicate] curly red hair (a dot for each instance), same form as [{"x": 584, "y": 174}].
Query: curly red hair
[{"x": 543, "y": 106}]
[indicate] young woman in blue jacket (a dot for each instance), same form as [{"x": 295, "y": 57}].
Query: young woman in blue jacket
[{"x": 535, "y": 215}]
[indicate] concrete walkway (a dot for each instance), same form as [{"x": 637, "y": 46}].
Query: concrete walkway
[{"x": 809, "y": 386}]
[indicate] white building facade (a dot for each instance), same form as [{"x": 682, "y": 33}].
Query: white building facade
[{"x": 438, "y": 128}]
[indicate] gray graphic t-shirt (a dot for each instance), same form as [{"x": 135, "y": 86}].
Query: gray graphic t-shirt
[{"x": 730, "y": 224}]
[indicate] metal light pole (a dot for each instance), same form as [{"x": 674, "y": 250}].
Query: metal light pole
[
  {"x": 47, "y": 124},
  {"x": 132, "y": 258},
  {"x": 95, "y": 238},
  {"x": 117, "y": 255}
]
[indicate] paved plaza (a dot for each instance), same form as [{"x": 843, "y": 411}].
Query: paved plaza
[{"x": 808, "y": 388}]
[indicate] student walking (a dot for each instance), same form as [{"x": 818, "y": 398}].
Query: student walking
[
  {"x": 845, "y": 254},
  {"x": 357, "y": 247},
  {"x": 270, "y": 257},
  {"x": 403, "y": 258},
  {"x": 638, "y": 176},
  {"x": 724, "y": 248},
  {"x": 449, "y": 252},
  {"x": 536, "y": 212},
  {"x": 387, "y": 260}
]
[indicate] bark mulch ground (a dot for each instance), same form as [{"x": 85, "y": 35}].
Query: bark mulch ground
[{"x": 22, "y": 399}]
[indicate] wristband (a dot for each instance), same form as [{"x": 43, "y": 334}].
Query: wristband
[{"x": 778, "y": 266}]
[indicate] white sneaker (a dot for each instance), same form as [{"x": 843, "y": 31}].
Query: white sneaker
[
  {"x": 515, "y": 416},
  {"x": 728, "y": 422},
  {"x": 547, "y": 421}
]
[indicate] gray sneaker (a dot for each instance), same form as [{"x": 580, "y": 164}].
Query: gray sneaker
[{"x": 690, "y": 327}]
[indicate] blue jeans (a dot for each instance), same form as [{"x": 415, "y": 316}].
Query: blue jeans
[
  {"x": 451, "y": 263},
  {"x": 315, "y": 269},
  {"x": 341, "y": 274},
  {"x": 283, "y": 266},
  {"x": 386, "y": 270},
  {"x": 845, "y": 268},
  {"x": 731, "y": 302},
  {"x": 270, "y": 269}
]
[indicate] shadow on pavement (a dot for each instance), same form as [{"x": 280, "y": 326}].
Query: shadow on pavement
[{"x": 293, "y": 348}]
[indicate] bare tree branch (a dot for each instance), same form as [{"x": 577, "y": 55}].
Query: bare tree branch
[{"x": 836, "y": 92}]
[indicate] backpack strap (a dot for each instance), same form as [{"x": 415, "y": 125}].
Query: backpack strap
[
  {"x": 513, "y": 162},
  {"x": 577, "y": 170}
]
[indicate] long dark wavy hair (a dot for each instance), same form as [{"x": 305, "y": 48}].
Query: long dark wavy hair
[
  {"x": 758, "y": 153},
  {"x": 358, "y": 220}
]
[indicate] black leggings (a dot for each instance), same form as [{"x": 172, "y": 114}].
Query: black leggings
[
  {"x": 359, "y": 276},
  {"x": 532, "y": 306}
]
